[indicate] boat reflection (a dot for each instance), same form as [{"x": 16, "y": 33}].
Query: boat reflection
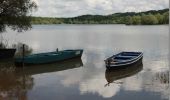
[
  {"x": 53, "y": 67},
  {"x": 112, "y": 75},
  {"x": 16, "y": 82},
  {"x": 6, "y": 63}
]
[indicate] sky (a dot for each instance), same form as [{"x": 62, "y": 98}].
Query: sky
[{"x": 72, "y": 8}]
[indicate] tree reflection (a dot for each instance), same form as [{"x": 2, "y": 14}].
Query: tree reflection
[
  {"x": 13, "y": 86},
  {"x": 16, "y": 82}
]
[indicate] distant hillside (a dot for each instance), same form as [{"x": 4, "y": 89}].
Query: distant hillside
[
  {"x": 151, "y": 17},
  {"x": 140, "y": 13}
]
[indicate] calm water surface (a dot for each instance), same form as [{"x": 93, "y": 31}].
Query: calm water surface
[{"x": 87, "y": 78}]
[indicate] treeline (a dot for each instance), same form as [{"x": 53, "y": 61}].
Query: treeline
[
  {"x": 47, "y": 20},
  {"x": 146, "y": 18},
  {"x": 149, "y": 19}
]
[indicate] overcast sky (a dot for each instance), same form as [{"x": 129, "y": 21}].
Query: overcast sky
[{"x": 71, "y": 8}]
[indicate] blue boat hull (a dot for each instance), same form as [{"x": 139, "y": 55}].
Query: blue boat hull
[
  {"x": 138, "y": 62},
  {"x": 50, "y": 57},
  {"x": 124, "y": 60}
]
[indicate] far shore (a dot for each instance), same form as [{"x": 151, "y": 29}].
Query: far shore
[{"x": 152, "y": 17}]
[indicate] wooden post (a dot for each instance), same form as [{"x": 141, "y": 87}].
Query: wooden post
[
  {"x": 57, "y": 50},
  {"x": 23, "y": 54}
]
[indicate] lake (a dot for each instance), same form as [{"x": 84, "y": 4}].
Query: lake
[{"x": 87, "y": 78}]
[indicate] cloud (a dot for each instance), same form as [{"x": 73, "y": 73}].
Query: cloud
[
  {"x": 99, "y": 88},
  {"x": 70, "y": 8},
  {"x": 133, "y": 83}
]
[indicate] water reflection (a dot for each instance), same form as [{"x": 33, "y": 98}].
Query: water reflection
[
  {"x": 153, "y": 78},
  {"x": 7, "y": 63},
  {"x": 53, "y": 67},
  {"x": 136, "y": 79},
  {"x": 16, "y": 82},
  {"x": 99, "y": 42},
  {"x": 158, "y": 82},
  {"x": 13, "y": 86},
  {"x": 112, "y": 75}
]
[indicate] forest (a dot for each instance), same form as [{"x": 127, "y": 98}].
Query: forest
[{"x": 152, "y": 17}]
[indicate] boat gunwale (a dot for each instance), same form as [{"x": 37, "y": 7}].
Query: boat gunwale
[
  {"x": 19, "y": 60},
  {"x": 126, "y": 62},
  {"x": 50, "y": 53},
  {"x": 122, "y": 64}
]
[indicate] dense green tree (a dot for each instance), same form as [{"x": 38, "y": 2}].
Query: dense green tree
[
  {"x": 149, "y": 19},
  {"x": 159, "y": 18},
  {"x": 166, "y": 18},
  {"x": 136, "y": 20},
  {"x": 15, "y": 14},
  {"x": 128, "y": 20}
]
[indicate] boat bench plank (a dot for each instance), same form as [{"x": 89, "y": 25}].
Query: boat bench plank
[
  {"x": 123, "y": 58},
  {"x": 126, "y": 56}
]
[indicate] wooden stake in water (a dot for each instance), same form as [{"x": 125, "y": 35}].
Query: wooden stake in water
[
  {"x": 23, "y": 54},
  {"x": 57, "y": 50}
]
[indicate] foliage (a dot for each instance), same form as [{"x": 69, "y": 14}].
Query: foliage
[
  {"x": 3, "y": 42},
  {"x": 19, "y": 47},
  {"x": 148, "y": 18},
  {"x": 136, "y": 20},
  {"x": 2, "y": 45},
  {"x": 160, "y": 18},
  {"x": 15, "y": 14},
  {"x": 166, "y": 17},
  {"x": 128, "y": 20}
]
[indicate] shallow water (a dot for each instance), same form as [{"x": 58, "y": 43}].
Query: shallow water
[{"x": 87, "y": 78}]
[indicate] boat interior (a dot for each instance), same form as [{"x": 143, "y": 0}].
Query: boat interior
[
  {"x": 50, "y": 53},
  {"x": 124, "y": 56}
]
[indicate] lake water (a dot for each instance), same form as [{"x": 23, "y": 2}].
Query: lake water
[{"x": 87, "y": 78}]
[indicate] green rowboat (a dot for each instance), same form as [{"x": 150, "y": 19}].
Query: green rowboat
[{"x": 49, "y": 57}]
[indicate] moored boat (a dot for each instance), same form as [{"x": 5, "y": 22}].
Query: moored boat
[
  {"x": 123, "y": 59},
  {"x": 7, "y": 53},
  {"x": 49, "y": 57}
]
